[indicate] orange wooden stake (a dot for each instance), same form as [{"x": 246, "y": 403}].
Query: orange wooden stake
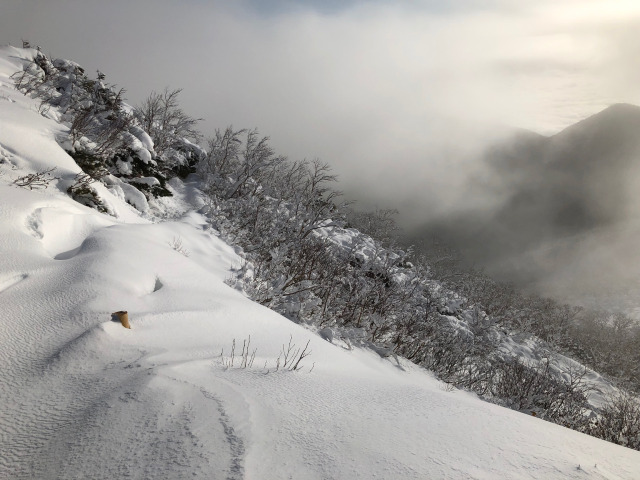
[{"x": 123, "y": 316}]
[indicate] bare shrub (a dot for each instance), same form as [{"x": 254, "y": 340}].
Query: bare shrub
[
  {"x": 291, "y": 356},
  {"x": 380, "y": 224},
  {"x": 106, "y": 131},
  {"x": 177, "y": 245},
  {"x": 37, "y": 180},
  {"x": 246, "y": 358},
  {"x": 162, "y": 118},
  {"x": 533, "y": 388},
  {"x": 619, "y": 421}
]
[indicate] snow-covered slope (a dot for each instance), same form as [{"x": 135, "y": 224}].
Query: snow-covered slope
[{"x": 82, "y": 397}]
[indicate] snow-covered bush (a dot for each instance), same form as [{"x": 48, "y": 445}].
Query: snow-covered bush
[
  {"x": 91, "y": 108},
  {"x": 166, "y": 123},
  {"x": 144, "y": 148},
  {"x": 379, "y": 224},
  {"x": 532, "y": 388},
  {"x": 83, "y": 192},
  {"x": 619, "y": 422},
  {"x": 172, "y": 131},
  {"x": 605, "y": 341}
]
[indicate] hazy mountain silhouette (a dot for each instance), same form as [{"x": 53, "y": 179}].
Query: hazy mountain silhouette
[{"x": 550, "y": 192}]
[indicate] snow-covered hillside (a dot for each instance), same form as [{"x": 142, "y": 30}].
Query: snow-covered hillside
[{"x": 82, "y": 397}]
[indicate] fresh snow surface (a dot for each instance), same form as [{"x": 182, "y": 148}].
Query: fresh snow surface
[{"x": 82, "y": 397}]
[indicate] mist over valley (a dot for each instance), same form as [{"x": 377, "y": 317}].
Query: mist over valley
[{"x": 555, "y": 215}]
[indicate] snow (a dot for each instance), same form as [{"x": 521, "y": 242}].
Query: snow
[
  {"x": 143, "y": 137},
  {"x": 125, "y": 168},
  {"x": 150, "y": 181},
  {"x": 82, "y": 397},
  {"x": 140, "y": 147},
  {"x": 127, "y": 193}
]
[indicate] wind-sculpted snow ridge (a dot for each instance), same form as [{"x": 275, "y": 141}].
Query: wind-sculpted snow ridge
[{"x": 82, "y": 397}]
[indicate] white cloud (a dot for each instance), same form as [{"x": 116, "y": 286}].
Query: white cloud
[{"x": 380, "y": 90}]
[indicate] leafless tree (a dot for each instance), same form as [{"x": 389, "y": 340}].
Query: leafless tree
[{"x": 162, "y": 118}]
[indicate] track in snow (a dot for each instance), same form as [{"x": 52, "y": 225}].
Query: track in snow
[{"x": 8, "y": 281}]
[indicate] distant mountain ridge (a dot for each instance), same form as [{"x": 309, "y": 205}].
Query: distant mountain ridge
[
  {"x": 612, "y": 116},
  {"x": 585, "y": 178}
]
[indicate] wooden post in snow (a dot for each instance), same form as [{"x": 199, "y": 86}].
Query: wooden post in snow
[{"x": 123, "y": 316}]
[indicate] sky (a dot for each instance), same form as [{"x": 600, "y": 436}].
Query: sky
[{"x": 395, "y": 95}]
